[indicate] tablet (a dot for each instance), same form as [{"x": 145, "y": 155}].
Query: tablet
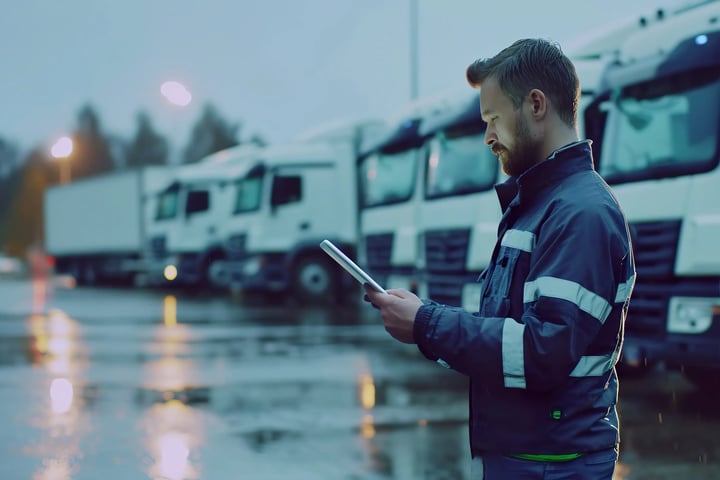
[{"x": 351, "y": 267}]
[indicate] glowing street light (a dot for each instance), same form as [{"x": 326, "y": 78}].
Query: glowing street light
[
  {"x": 62, "y": 149},
  {"x": 176, "y": 93}
]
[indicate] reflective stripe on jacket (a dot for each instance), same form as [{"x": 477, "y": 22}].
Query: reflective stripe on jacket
[{"x": 540, "y": 352}]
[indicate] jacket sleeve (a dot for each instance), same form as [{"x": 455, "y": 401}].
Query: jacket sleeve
[{"x": 575, "y": 271}]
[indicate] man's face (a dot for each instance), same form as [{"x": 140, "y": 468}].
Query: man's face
[{"x": 508, "y": 133}]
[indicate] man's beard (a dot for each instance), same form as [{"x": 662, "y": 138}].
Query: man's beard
[{"x": 523, "y": 155}]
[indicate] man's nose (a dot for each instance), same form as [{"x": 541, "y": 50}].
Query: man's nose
[{"x": 490, "y": 137}]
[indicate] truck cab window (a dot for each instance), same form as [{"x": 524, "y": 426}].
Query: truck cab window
[
  {"x": 286, "y": 189},
  {"x": 197, "y": 201},
  {"x": 387, "y": 179},
  {"x": 247, "y": 195},
  {"x": 664, "y": 128},
  {"x": 167, "y": 204},
  {"x": 458, "y": 166}
]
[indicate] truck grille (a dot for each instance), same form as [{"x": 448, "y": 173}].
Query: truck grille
[
  {"x": 446, "y": 250},
  {"x": 445, "y": 291},
  {"x": 378, "y": 249},
  {"x": 236, "y": 246},
  {"x": 158, "y": 247},
  {"x": 654, "y": 247}
]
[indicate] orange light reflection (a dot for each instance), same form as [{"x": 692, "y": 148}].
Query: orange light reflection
[
  {"x": 367, "y": 427},
  {"x": 170, "y": 311},
  {"x": 367, "y": 391}
]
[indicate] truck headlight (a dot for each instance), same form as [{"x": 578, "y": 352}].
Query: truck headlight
[
  {"x": 251, "y": 267},
  {"x": 170, "y": 272},
  {"x": 691, "y": 314}
]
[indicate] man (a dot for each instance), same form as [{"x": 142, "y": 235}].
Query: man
[{"x": 540, "y": 352}]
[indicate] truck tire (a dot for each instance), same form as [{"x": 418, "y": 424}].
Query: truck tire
[
  {"x": 314, "y": 280},
  {"x": 217, "y": 276}
]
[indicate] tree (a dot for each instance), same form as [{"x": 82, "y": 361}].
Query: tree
[
  {"x": 148, "y": 147},
  {"x": 10, "y": 176},
  {"x": 91, "y": 149},
  {"x": 8, "y": 157},
  {"x": 23, "y": 225},
  {"x": 257, "y": 140},
  {"x": 210, "y": 134}
]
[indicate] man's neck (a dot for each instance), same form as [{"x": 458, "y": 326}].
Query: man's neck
[{"x": 558, "y": 138}]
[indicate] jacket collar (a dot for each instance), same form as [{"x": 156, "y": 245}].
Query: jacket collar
[{"x": 563, "y": 162}]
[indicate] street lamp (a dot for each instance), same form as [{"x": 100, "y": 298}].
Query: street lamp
[
  {"x": 61, "y": 150},
  {"x": 176, "y": 93}
]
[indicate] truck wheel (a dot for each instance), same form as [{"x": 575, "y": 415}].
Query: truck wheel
[
  {"x": 314, "y": 280},
  {"x": 217, "y": 275}
]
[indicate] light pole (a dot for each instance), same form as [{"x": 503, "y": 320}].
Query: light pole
[
  {"x": 413, "y": 49},
  {"x": 61, "y": 150}
]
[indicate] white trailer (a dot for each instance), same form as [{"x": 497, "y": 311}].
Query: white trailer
[{"x": 96, "y": 228}]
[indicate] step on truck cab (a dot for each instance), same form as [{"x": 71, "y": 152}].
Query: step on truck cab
[{"x": 656, "y": 123}]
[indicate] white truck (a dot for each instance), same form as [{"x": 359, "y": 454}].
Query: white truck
[
  {"x": 459, "y": 211},
  {"x": 391, "y": 174},
  {"x": 185, "y": 243},
  {"x": 97, "y": 228},
  {"x": 656, "y": 124},
  {"x": 290, "y": 199}
]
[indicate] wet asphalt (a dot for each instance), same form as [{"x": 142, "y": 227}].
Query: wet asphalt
[{"x": 124, "y": 383}]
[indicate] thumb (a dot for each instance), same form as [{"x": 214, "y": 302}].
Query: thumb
[{"x": 401, "y": 292}]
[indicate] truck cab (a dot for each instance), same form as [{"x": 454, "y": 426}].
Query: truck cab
[
  {"x": 459, "y": 211},
  {"x": 185, "y": 243},
  {"x": 291, "y": 198},
  {"x": 390, "y": 171},
  {"x": 655, "y": 124}
]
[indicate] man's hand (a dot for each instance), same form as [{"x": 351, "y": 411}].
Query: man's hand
[{"x": 397, "y": 309}]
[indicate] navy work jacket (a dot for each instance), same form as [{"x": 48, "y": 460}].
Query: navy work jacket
[{"x": 541, "y": 351}]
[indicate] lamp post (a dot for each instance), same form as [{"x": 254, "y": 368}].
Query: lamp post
[
  {"x": 61, "y": 150},
  {"x": 414, "y": 59}
]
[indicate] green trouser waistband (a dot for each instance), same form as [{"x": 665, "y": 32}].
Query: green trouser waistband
[{"x": 566, "y": 457}]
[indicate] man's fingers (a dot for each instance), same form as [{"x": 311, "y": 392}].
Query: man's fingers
[{"x": 367, "y": 299}]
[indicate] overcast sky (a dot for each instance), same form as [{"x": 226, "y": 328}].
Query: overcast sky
[{"x": 279, "y": 67}]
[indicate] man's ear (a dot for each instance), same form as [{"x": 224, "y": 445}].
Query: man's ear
[{"x": 538, "y": 103}]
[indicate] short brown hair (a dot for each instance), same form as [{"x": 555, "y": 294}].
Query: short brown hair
[{"x": 528, "y": 64}]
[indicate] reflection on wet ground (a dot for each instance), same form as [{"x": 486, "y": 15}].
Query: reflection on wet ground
[{"x": 134, "y": 384}]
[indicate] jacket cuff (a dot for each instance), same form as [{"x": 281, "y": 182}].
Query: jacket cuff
[{"x": 420, "y": 327}]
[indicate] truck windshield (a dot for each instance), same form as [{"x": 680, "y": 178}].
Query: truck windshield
[
  {"x": 458, "y": 166},
  {"x": 167, "y": 205},
  {"x": 388, "y": 179},
  {"x": 663, "y": 128},
  {"x": 247, "y": 194}
]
